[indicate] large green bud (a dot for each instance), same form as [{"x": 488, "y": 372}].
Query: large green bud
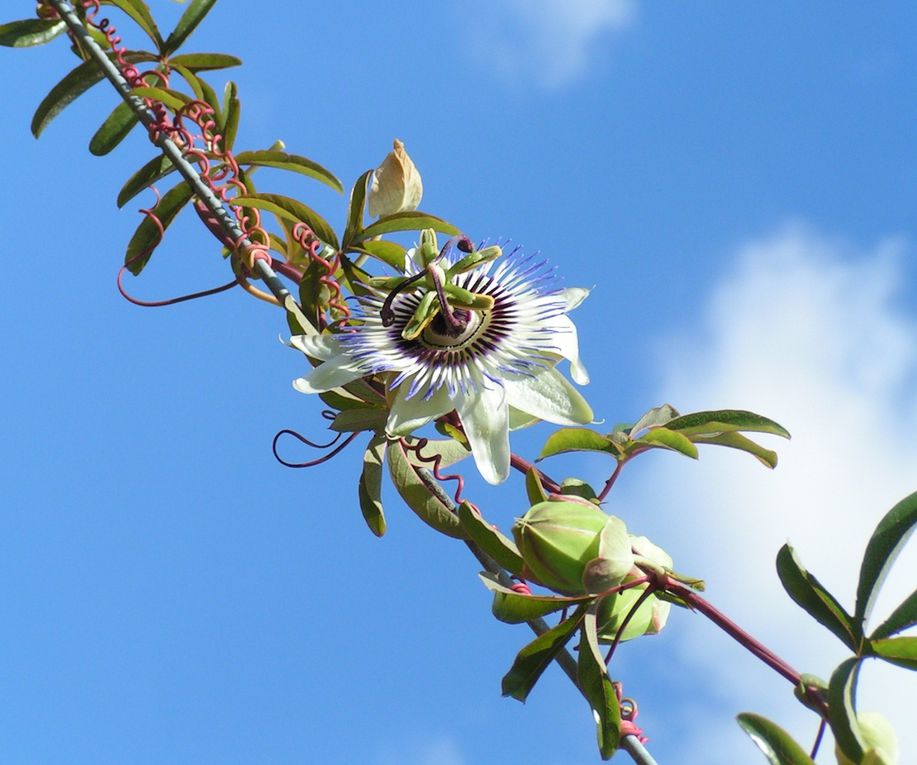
[
  {"x": 879, "y": 739},
  {"x": 573, "y": 547}
]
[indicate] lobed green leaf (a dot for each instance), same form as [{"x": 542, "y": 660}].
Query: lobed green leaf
[
  {"x": 725, "y": 421},
  {"x": 292, "y": 162},
  {"x": 773, "y": 741},
  {"x": 896, "y": 650},
  {"x": 669, "y": 439},
  {"x": 576, "y": 440},
  {"x": 883, "y": 547},
  {"x": 29, "y": 32},
  {"x": 766, "y": 457},
  {"x": 390, "y": 253},
  {"x": 407, "y": 221},
  {"x": 146, "y": 237},
  {"x": 205, "y": 62}
]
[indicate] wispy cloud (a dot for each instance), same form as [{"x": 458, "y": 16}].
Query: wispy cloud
[
  {"x": 805, "y": 330},
  {"x": 549, "y": 42}
]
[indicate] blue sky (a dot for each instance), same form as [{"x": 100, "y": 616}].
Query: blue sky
[{"x": 737, "y": 181}]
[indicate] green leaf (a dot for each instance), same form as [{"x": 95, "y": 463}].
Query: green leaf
[
  {"x": 407, "y": 221},
  {"x": 897, "y": 650},
  {"x": 72, "y": 86},
  {"x": 154, "y": 170},
  {"x": 192, "y": 16},
  {"x": 659, "y": 415},
  {"x": 513, "y": 607},
  {"x": 418, "y": 497},
  {"x": 292, "y": 210},
  {"x": 576, "y": 440},
  {"x": 146, "y": 237},
  {"x": 114, "y": 130},
  {"x": 195, "y": 82},
  {"x": 886, "y": 542},
  {"x": 293, "y": 162},
  {"x": 390, "y": 253},
  {"x": 809, "y": 594},
  {"x": 767, "y": 457},
  {"x": 533, "y": 660},
  {"x": 533, "y": 487},
  {"x": 29, "y": 32},
  {"x": 174, "y": 99},
  {"x": 356, "y": 210},
  {"x": 773, "y": 741},
  {"x": 370, "y": 488},
  {"x": 903, "y": 617},
  {"x": 669, "y": 439},
  {"x": 842, "y": 709},
  {"x": 725, "y": 421},
  {"x": 140, "y": 13},
  {"x": 232, "y": 110},
  {"x": 448, "y": 450},
  {"x": 205, "y": 62},
  {"x": 593, "y": 680},
  {"x": 490, "y": 540},
  {"x": 367, "y": 418}
]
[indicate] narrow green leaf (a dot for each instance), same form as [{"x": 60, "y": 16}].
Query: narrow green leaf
[
  {"x": 72, "y": 86},
  {"x": 355, "y": 210},
  {"x": 533, "y": 660},
  {"x": 669, "y": 439},
  {"x": 534, "y": 488},
  {"x": 29, "y": 32},
  {"x": 886, "y": 542},
  {"x": 809, "y": 594},
  {"x": 417, "y": 497},
  {"x": 576, "y": 440},
  {"x": 292, "y": 210},
  {"x": 140, "y": 13},
  {"x": 154, "y": 170},
  {"x": 773, "y": 741},
  {"x": 903, "y": 617},
  {"x": 145, "y": 238},
  {"x": 192, "y": 16},
  {"x": 292, "y": 162},
  {"x": 174, "y": 99},
  {"x": 390, "y": 253},
  {"x": 766, "y": 457},
  {"x": 370, "y": 488},
  {"x": 367, "y": 418},
  {"x": 897, "y": 650},
  {"x": 407, "y": 221},
  {"x": 842, "y": 709},
  {"x": 232, "y": 110},
  {"x": 205, "y": 62},
  {"x": 196, "y": 83},
  {"x": 490, "y": 540},
  {"x": 725, "y": 421},
  {"x": 593, "y": 680},
  {"x": 338, "y": 400},
  {"x": 114, "y": 130}
]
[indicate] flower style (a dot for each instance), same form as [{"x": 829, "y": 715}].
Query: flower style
[{"x": 476, "y": 337}]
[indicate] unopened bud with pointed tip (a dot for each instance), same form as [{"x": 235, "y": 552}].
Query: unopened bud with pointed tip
[{"x": 395, "y": 186}]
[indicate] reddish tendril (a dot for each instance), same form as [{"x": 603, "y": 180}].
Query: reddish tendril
[
  {"x": 195, "y": 131},
  {"x": 328, "y": 415},
  {"x": 436, "y": 462},
  {"x": 629, "y": 712}
]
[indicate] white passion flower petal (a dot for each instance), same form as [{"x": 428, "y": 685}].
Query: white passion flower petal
[
  {"x": 567, "y": 343},
  {"x": 485, "y": 419},
  {"x": 574, "y": 296},
  {"x": 322, "y": 347},
  {"x": 408, "y": 414},
  {"x": 333, "y": 373},
  {"x": 547, "y": 395}
]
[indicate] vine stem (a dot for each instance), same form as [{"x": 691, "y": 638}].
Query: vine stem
[{"x": 224, "y": 217}]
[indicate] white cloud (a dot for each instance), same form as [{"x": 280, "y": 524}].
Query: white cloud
[
  {"x": 552, "y": 41},
  {"x": 805, "y": 330}
]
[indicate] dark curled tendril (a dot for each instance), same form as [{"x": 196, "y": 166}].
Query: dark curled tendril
[
  {"x": 386, "y": 313},
  {"x": 435, "y": 462},
  {"x": 328, "y": 415}
]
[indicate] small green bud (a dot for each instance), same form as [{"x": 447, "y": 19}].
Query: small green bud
[
  {"x": 395, "y": 186},
  {"x": 880, "y": 742},
  {"x": 557, "y": 539}
]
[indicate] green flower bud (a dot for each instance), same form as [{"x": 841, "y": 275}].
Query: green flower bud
[
  {"x": 395, "y": 186},
  {"x": 879, "y": 739},
  {"x": 557, "y": 539}
]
